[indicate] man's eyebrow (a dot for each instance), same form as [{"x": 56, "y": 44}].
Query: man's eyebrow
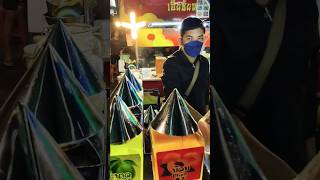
[{"x": 201, "y": 35}]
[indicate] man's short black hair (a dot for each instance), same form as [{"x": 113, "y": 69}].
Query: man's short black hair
[{"x": 191, "y": 23}]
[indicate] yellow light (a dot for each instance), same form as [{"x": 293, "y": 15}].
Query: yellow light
[
  {"x": 133, "y": 25},
  {"x": 134, "y": 34},
  {"x": 118, "y": 24},
  {"x": 126, "y": 25},
  {"x": 132, "y": 18}
]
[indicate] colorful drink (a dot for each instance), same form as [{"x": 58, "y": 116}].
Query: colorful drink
[
  {"x": 126, "y": 143},
  {"x": 177, "y": 143}
]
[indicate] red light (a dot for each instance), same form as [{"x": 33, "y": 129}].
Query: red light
[{"x": 151, "y": 37}]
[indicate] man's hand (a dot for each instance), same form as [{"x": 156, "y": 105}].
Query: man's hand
[{"x": 204, "y": 126}]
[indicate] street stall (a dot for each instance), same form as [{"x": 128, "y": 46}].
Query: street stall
[
  {"x": 143, "y": 35},
  {"x": 152, "y": 34}
]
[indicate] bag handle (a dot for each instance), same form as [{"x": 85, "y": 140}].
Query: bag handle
[
  {"x": 273, "y": 45},
  {"x": 194, "y": 79}
]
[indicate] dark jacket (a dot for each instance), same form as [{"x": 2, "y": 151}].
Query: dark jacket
[{"x": 178, "y": 73}]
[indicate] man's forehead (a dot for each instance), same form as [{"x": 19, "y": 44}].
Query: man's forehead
[{"x": 194, "y": 32}]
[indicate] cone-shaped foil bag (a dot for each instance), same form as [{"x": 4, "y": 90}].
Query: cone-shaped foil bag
[
  {"x": 233, "y": 158},
  {"x": 56, "y": 98},
  {"x": 133, "y": 80},
  {"x": 126, "y": 90},
  {"x": 14, "y": 163},
  {"x": 124, "y": 125},
  {"x": 60, "y": 103},
  {"x": 70, "y": 53},
  {"x": 47, "y": 161},
  {"x": 174, "y": 117},
  {"x": 149, "y": 115},
  {"x": 117, "y": 88},
  {"x": 129, "y": 94}
]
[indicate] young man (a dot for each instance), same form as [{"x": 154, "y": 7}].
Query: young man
[{"x": 179, "y": 68}]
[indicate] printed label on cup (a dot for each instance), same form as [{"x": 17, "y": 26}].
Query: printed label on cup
[{"x": 183, "y": 164}]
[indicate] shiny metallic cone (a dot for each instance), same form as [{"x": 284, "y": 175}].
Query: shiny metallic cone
[
  {"x": 46, "y": 159},
  {"x": 130, "y": 96},
  {"x": 124, "y": 125},
  {"x": 133, "y": 80},
  {"x": 174, "y": 117},
  {"x": 149, "y": 115},
  {"x": 60, "y": 102},
  {"x": 230, "y": 147},
  {"x": 70, "y": 53}
]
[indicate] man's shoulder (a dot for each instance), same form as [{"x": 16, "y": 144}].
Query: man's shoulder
[
  {"x": 172, "y": 59},
  {"x": 174, "y": 55},
  {"x": 204, "y": 60},
  {"x": 170, "y": 62}
]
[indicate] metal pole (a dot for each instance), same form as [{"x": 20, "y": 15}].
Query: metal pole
[{"x": 136, "y": 49}]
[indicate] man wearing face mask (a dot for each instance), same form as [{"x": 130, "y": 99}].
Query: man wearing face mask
[{"x": 186, "y": 69}]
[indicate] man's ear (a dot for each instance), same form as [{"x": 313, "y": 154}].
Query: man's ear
[{"x": 180, "y": 41}]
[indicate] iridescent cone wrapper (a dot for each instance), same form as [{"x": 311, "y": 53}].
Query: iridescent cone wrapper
[
  {"x": 149, "y": 115},
  {"x": 130, "y": 96},
  {"x": 29, "y": 152},
  {"x": 61, "y": 39},
  {"x": 230, "y": 145},
  {"x": 126, "y": 143},
  {"x": 124, "y": 125},
  {"x": 59, "y": 101},
  {"x": 174, "y": 117},
  {"x": 133, "y": 80}
]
